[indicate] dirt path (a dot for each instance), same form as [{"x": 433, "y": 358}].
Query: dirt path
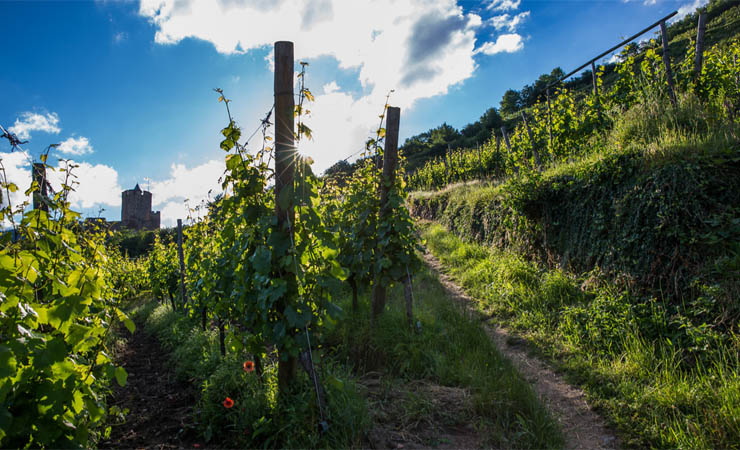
[
  {"x": 160, "y": 408},
  {"x": 582, "y": 427}
]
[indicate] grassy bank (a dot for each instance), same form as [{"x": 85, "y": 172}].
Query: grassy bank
[{"x": 628, "y": 352}]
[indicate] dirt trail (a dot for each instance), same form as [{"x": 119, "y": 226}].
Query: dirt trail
[
  {"x": 582, "y": 427},
  {"x": 160, "y": 408}
]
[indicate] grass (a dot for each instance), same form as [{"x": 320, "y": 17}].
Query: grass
[
  {"x": 446, "y": 348},
  {"x": 622, "y": 349}
]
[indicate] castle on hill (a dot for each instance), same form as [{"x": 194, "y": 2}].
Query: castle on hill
[{"x": 136, "y": 210}]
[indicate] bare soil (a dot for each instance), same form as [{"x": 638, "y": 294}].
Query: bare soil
[
  {"x": 582, "y": 427},
  {"x": 160, "y": 407}
]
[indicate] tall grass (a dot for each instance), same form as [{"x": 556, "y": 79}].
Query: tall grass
[
  {"x": 601, "y": 336},
  {"x": 448, "y": 348}
]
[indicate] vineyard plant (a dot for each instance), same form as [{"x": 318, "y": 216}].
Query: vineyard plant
[{"x": 62, "y": 294}]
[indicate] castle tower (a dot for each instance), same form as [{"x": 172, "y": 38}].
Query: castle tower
[{"x": 136, "y": 210}]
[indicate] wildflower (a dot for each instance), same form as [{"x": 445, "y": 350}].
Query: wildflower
[
  {"x": 248, "y": 366},
  {"x": 228, "y": 403}
]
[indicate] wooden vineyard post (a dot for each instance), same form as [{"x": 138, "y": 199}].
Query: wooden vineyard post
[
  {"x": 506, "y": 138},
  {"x": 284, "y": 172},
  {"x": 183, "y": 294},
  {"x": 549, "y": 121},
  {"x": 508, "y": 145},
  {"x": 39, "y": 176},
  {"x": 667, "y": 63},
  {"x": 536, "y": 154},
  {"x": 408, "y": 288},
  {"x": 699, "y": 58},
  {"x": 390, "y": 158},
  {"x": 447, "y": 167},
  {"x": 596, "y": 89},
  {"x": 480, "y": 163},
  {"x": 498, "y": 154}
]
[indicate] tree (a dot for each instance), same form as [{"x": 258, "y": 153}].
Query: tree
[{"x": 511, "y": 102}]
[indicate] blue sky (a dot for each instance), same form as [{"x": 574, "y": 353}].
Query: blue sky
[{"x": 126, "y": 87}]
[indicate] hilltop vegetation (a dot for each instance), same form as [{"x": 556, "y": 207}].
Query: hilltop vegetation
[{"x": 723, "y": 23}]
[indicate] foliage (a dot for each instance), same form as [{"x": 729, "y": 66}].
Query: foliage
[
  {"x": 60, "y": 297},
  {"x": 259, "y": 417},
  {"x": 374, "y": 247},
  {"x": 164, "y": 270}
]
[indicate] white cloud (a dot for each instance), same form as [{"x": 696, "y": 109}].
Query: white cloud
[
  {"x": 18, "y": 171},
  {"x": 420, "y": 48},
  {"x": 614, "y": 59},
  {"x": 330, "y": 88},
  {"x": 93, "y": 184},
  {"x": 75, "y": 146},
  {"x": 192, "y": 184},
  {"x": 645, "y": 2},
  {"x": 506, "y": 43},
  {"x": 509, "y": 22},
  {"x": 689, "y": 8},
  {"x": 48, "y": 123},
  {"x": 504, "y": 5}
]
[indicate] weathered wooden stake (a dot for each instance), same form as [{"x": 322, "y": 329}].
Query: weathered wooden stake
[
  {"x": 353, "y": 285},
  {"x": 284, "y": 172},
  {"x": 699, "y": 58},
  {"x": 536, "y": 154},
  {"x": 222, "y": 336},
  {"x": 506, "y": 138},
  {"x": 549, "y": 120},
  {"x": 508, "y": 146},
  {"x": 667, "y": 62},
  {"x": 596, "y": 90},
  {"x": 480, "y": 162},
  {"x": 183, "y": 294},
  {"x": 390, "y": 158},
  {"x": 39, "y": 176},
  {"x": 447, "y": 167},
  {"x": 408, "y": 293}
]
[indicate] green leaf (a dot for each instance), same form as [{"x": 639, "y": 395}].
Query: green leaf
[
  {"x": 227, "y": 144},
  {"x": 233, "y": 343},
  {"x": 233, "y": 161},
  {"x": 335, "y": 382},
  {"x": 127, "y": 322},
  {"x": 121, "y": 376},
  {"x": 7, "y": 362},
  {"x": 261, "y": 260},
  {"x": 338, "y": 271}
]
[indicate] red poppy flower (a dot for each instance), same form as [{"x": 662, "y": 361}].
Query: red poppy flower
[
  {"x": 228, "y": 403},
  {"x": 248, "y": 366}
]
